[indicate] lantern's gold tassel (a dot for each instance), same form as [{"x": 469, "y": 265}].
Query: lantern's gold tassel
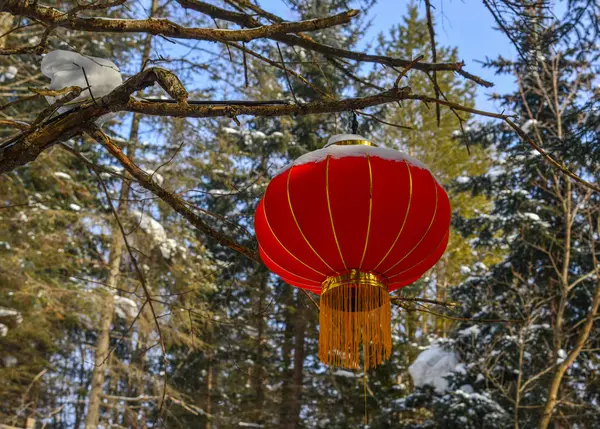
[{"x": 355, "y": 312}]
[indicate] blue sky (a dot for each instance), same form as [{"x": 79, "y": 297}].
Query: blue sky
[{"x": 462, "y": 23}]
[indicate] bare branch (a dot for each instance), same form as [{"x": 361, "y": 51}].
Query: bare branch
[
  {"x": 176, "y": 202},
  {"x": 56, "y": 18}
]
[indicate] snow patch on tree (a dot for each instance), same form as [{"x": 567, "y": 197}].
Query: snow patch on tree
[
  {"x": 344, "y": 373},
  {"x": 9, "y": 361},
  {"x": 472, "y": 331},
  {"x": 8, "y": 74},
  {"x": 529, "y": 124},
  {"x": 433, "y": 366},
  {"x": 125, "y": 308},
  {"x": 62, "y": 175},
  {"x": 167, "y": 246},
  {"x": 12, "y": 313},
  {"x": 156, "y": 177}
]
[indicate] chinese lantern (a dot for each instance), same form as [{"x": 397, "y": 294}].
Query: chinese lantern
[{"x": 353, "y": 222}]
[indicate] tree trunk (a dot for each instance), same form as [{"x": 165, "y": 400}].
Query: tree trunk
[
  {"x": 6, "y": 22},
  {"x": 102, "y": 343},
  {"x": 286, "y": 350},
  {"x": 209, "y": 385},
  {"x": 299, "y": 355},
  {"x": 258, "y": 369},
  {"x": 102, "y": 346},
  {"x": 93, "y": 415},
  {"x": 582, "y": 338}
]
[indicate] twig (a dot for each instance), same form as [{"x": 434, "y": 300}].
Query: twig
[
  {"x": 143, "y": 283},
  {"x": 433, "y": 57},
  {"x": 549, "y": 158},
  {"x": 369, "y": 115},
  {"x": 287, "y": 77},
  {"x": 176, "y": 202},
  {"x": 406, "y": 69}
]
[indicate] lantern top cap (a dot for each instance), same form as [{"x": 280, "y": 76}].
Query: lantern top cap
[{"x": 348, "y": 139}]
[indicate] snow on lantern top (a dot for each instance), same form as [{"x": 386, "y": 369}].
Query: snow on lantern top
[{"x": 347, "y": 145}]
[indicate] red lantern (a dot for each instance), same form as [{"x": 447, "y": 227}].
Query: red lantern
[{"x": 353, "y": 222}]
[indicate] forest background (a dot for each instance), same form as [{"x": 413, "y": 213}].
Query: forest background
[{"x": 133, "y": 298}]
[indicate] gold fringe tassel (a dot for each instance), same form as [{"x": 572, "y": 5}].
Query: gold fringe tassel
[{"x": 355, "y": 311}]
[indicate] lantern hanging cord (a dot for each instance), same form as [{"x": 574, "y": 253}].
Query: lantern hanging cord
[{"x": 354, "y": 122}]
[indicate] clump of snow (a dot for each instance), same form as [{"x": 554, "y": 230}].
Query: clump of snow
[
  {"x": 10, "y": 312},
  {"x": 74, "y": 207},
  {"x": 471, "y": 331},
  {"x": 156, "y": 177},
  {"x": 531, "y": 216},
  {"x": 228, "y": 130},
  {"x": 62, "y": 175},
  {"x": 9, "y": 361},
  {"x": 562, "y": 355},
  {"x": 344, "y": 373},
  {"x": 220, "y": 192},
  {"x": 250, "y": 425},
  {"x": 495, "y": 172},
  {"x": 462, "y": 180},
  {"x": 466, "y": 388},
  {"x": 529, "y": 124},
  {"x": 125, "y": 308},
  {"x": 167, "y": 246},
  {"x": 432, "y": 366},
  {"x": 115, "y": 168},
  {"x": 8, "y": 74},
  {"x": 65, "y": 68},
  {"x": 3, "y": 330},
  {"x": 535, "y": 218},
  {"x": 480, "y": 266}
]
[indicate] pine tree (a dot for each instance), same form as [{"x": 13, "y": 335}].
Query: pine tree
[{"x": 538, "y": 366}]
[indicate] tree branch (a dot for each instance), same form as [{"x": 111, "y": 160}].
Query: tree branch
[
  {"x": 56, "y": 18},
  {"x": 173, "y": 200},
  {"x": 245, "y": 20}
]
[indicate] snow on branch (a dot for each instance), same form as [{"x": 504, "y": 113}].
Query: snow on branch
[{"x": 64, "y": 68}]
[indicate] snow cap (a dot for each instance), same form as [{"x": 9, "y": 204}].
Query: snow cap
[
  {"x": 345, "y": 137},
  {"x": 359, "y": 149},
  {"x": 65, "y": 68}
]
